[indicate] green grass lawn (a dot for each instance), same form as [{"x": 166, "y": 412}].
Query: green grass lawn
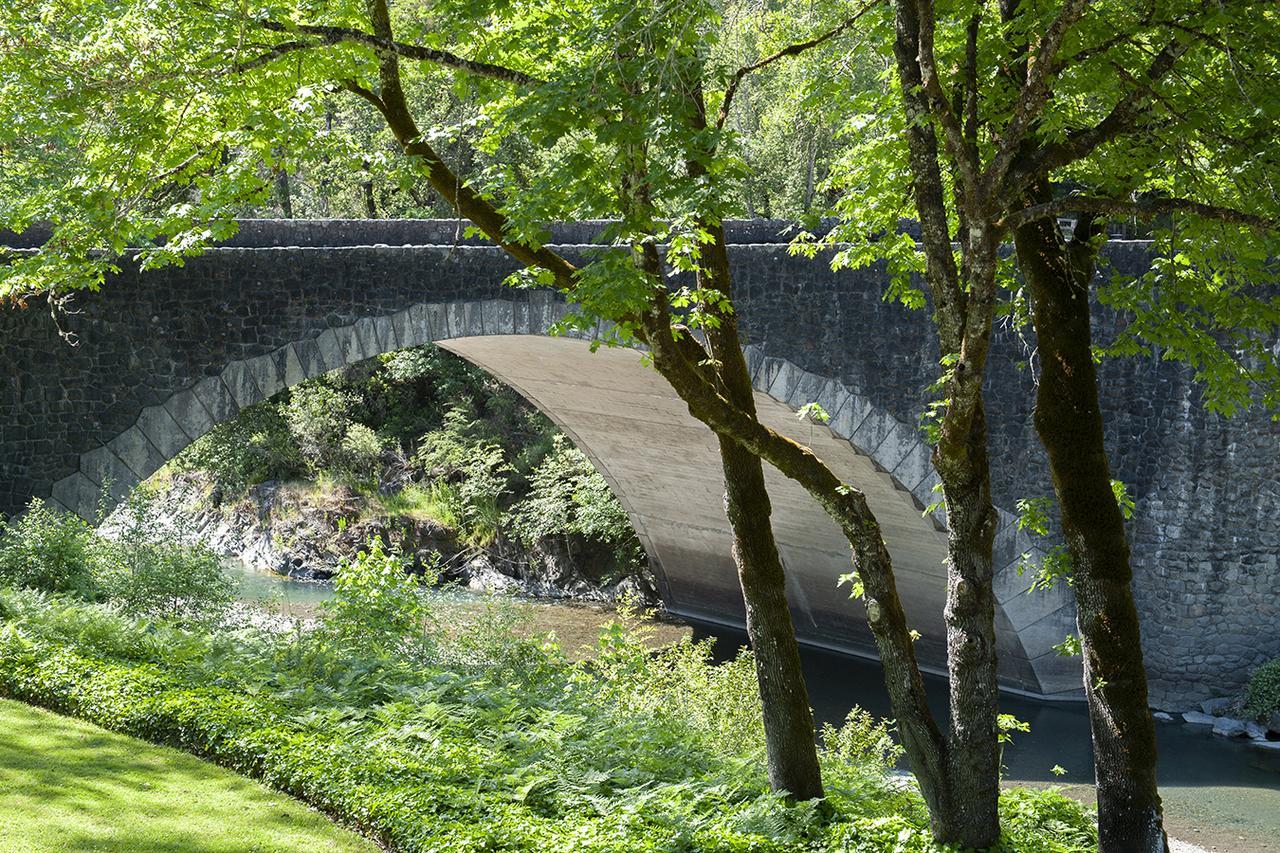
[{"x": 69, "y": 785}]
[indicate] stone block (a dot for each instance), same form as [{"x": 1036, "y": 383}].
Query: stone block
[
  {"x": 366, "y": 332},
  {"x": 419, "y": 325},
  {"x": 330, "y": 347},
  {"x": 79, "y": 494},
  {"x": 914, "y": 467},
  {"x": 539, "y": 311},
  {"x": 898, "y": 442},
  {"x": 455, "y": 315},
  {"x": 163, "y": 431},
  {"x": 388, "y": 340},
  {"x": 294, "y": 372},
  {"x": 239, "y": 380},
  {"x": 1059, "y": 676},
  {"x": 520, "y": 315},
  {"x": 784, "y": 378},
  {"x": 352, "y": 344},
  {"x": 873, "y": 430},
  {"x": 831, "y": 397},
  {"x": 216, "y": 398},
  {"x": 1006, "y": 583},
  {"x": 135, "y": 450},
  {"x": 438, "y": 321},
  {"x": 190, "y": 414},
  {"x": 499, "y": 317},
  {"x": 106, "y": 470},
  {"x": 406, "y": 334},
  {"x": 268, "y": 373},
  {"x": 1039, "y": 637},
  {"x": 805, "y": 388},
  {"x": 473, "y": 318},
  {"x": 1025, "y": 608}
]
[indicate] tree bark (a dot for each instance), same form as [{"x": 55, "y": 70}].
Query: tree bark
[
  {"x": 788, "y": 718},
  {"x": 973, "y": 752},
  {"x": 1068, "y": 419},
  {"x": 963, "y": 304}
]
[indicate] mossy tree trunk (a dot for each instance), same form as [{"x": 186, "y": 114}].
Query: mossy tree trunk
[{"x": 1068, "y": 419}]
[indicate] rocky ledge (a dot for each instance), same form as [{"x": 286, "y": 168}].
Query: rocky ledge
[
  {"x": 305, "y": 531},
  {"x": 1217, "y": 714}
]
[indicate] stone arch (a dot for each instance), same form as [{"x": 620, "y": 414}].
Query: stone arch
[{"x": 673, "y": 503}]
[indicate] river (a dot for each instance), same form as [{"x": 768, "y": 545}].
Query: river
[{"x": 1220, "y": 794}]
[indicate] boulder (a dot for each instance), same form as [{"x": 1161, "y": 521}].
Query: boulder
[
  {"x": 1217, "y": 707},
  {"x": 1270, "y": 745},
  {"x": 1227, "y": 727},
  {"x": 1195, "y": 718},
  {"x": 1255, "y": 731},
  {"x": 1162, "y": 717},
  {"x": 1273, "y": 722}
]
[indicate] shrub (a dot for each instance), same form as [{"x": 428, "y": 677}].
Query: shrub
[
  {"x": 319, "y": 416},
  {"x": 476, "y": 470},
  {"x": 148, "y": 572},
  {"x": 252, "y": 448},
  {"x": 1262, "y": 695},
  {"x": 377, "y": 606},
  {"x": 568, "y": 496},
  {"x": 360, "y": 458},
  {"x": 49, "y": 550}
]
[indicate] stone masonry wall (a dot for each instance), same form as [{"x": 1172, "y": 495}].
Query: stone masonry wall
[{"x": 1206, "y": 531}]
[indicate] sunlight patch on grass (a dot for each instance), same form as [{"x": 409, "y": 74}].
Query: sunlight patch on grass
[{"x": 69, "y": 785}]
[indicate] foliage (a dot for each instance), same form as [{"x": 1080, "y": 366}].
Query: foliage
[
  {"x": 568, "y": 495},
  {"x": 251, "y": 448},
  {"x": 50, "y": 550},
  {"x": 534, "y": 753},
  {"x": 319, "y": 416},
  {"x": 377, "y": 605},
  {"x": 147, "y": 572},
  {"x": 139, "y": 568},
  {"x": 1262, "y": 695},
  {"x": 361, "y": 455}
]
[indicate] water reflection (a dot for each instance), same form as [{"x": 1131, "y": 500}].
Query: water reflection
[{"x": 1059, "y": 735}]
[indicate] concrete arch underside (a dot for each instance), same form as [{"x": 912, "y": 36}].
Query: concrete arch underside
[{"x": 664, "y": 467}]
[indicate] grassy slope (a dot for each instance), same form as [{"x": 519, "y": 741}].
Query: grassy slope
[{"x": 69, "y": 785}]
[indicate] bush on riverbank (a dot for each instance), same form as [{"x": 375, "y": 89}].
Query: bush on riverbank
[
  {"x": 139, "y": 567},
  {"x": 483, "y": 742},
  {"x": 1262, "y": 695}
]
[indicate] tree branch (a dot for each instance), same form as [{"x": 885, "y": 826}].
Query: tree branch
[
  {"x": 1147, "y": 208},
  {"x": 789, "y": 50},
  {"x": 936, "y": 97},
  {"x": 1081, "y": 143},
  {"x": 328, "y": 35},
  {"x": 1035, "y": 91}
]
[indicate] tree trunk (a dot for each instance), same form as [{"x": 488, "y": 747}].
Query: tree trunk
[
  {"x": 973, "y": 747},
  {"x": 784, "y": 700},
  {"x": 1068, "y": 419},
  {"x": 788, "y": 719}
]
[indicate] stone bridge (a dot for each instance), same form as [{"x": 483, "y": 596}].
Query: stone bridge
[{"x": 155, "y": 360}]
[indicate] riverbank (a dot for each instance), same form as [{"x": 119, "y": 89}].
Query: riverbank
[
  {"x": 574, "y": 625},
  {"x": 484, "y": 741}
]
